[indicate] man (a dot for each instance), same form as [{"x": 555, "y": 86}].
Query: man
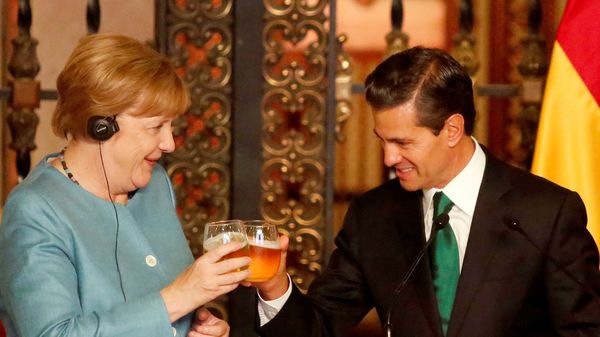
[
  {"x": 515, "y": 242},
  {"x": 499, "y": 283}
]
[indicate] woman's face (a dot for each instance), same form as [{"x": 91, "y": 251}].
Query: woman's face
[{"x": 132, "y": 152}]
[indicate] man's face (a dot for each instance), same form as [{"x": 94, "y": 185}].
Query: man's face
[{"x": 420, "y": 158}]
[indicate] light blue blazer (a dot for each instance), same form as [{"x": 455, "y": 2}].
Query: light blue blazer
[{"x": 59, "y": 252}]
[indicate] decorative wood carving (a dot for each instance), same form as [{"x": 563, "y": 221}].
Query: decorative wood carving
[
  {"x": 464, "y": 41},
  {"x": 533, "y": 67},
  {"x": 397, "y": 40},
  {"x": 93, "y": 16},
  {"x": 518, "y": 46},
  {"x": 199, "y": 44},
  {"x": 526, "y": 48},
  {"x": 24, "y": 67},
  {"x": 294, "y": 117},
  {"x": 343, "y": 87}
]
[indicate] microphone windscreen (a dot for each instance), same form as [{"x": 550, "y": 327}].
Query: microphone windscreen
[
  {"x": 512, "y": 223},
  {"x": 441, "y": 221}
]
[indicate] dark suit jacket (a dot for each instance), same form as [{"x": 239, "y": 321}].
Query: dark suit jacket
[{"x": 507, "y": 287}]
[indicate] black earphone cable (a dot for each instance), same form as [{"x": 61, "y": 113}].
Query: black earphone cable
[{"x": 117, "y": 219}]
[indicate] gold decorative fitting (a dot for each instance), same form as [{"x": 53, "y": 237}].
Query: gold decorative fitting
[
  {"x": 24, "y": 67},
  {"x": 343, "y": 87},
  {"x": 397, "y": 41},
  {"x": 464, "y": 52}
]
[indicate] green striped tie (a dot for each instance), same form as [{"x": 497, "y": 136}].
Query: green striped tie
[{"x": 444, "y": 262}]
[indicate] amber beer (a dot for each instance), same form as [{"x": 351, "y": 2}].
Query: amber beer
[
  {"x": 264, "y": 249},
  {"x": 265, "y": 260}
]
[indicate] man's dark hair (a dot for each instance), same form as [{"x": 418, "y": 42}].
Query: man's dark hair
[{"x": 432, "y": 80}]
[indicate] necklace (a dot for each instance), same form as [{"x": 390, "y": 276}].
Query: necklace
[{"x": 61, "y": 157}]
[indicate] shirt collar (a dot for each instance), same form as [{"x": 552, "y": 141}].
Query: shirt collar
[{"x": 464, "y": 188}]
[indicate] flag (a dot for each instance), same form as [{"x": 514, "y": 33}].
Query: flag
[{"x": 567, "y": 149}]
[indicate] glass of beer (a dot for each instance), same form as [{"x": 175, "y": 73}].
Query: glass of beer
[
  {"x": 264, "y": 249},
  {"x": 222, "y": 232}
]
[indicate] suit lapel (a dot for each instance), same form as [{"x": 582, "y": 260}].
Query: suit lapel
[
  {"x": 410, "y": 223},
  {"x": 487, "y": 221}
]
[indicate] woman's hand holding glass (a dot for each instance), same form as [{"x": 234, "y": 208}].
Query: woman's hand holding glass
[
  {"x": 218, "y": 271},
  {"x": 219, "y": 233}
]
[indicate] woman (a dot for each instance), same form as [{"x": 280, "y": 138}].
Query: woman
[{"x": 90, "y": 243}]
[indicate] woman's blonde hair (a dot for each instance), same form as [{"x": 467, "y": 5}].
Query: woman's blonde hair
[{"x": 108, "y": 74}]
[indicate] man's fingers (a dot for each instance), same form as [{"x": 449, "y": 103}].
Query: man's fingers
[
  {"x": 202, "y": 314},
  {"x": 284, "y": 242}
]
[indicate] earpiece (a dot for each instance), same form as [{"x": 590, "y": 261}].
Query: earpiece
[{"x": 101, "y": 128}]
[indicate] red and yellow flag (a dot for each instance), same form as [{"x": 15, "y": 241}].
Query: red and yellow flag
[{"x": 567, "y": 150}]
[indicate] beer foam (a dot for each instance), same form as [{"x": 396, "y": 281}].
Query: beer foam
[
  {"x": 223, "y": 238},
  {"x": 265, "y": 244}
]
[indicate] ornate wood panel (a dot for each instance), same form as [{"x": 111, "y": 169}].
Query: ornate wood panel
[
  {"x": 198, "y": 37},
  {"x": 506, "y": 137},
  {"x": 294, "y": 113},
  {"x": 274, "y": 163},
  {"x": 24, "y": 97}
]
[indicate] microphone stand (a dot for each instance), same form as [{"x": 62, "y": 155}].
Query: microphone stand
[{"x": 438, "y": 223}]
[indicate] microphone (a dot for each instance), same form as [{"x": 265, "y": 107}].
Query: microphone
[
  {"x": 514, "y": 225},
  {"x": 438, "y": 223}
]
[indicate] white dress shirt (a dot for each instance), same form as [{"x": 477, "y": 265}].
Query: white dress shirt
[
  {"x": 268, "y": 309},
  {"x": 462, "y": 191}
]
